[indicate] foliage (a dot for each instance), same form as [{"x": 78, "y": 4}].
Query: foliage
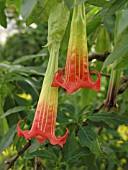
[{"x": 98, "y": 139}]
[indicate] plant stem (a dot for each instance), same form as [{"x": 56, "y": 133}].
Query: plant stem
[{"x": 10, "y": 162}]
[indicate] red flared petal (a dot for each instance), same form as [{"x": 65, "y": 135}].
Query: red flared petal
[
  {"x": 41, "y": 136},
  {"x": 58, "y": 79},
  {"x": 71, "y": 86}
]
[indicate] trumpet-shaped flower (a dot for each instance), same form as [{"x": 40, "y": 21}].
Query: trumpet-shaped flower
[
  {"x": 76, "y": 73},
  {"x": 44, "y": 122},
  {"x": 43, "y": 126}
]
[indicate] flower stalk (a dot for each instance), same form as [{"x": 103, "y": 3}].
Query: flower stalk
[{"x": 113, "y": 88}]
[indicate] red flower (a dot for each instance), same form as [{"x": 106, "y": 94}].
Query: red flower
[
  {"x": 77, "y": 73},
  {"x": 43, "y": 126},
  {"x": 44, "y": 122}
]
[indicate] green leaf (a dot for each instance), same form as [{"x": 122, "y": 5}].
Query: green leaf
[
  {"x": 55, "y": 150},
  {"x": 19, "y": 69},
  {"x": 89, "y": 139},
  {"x": 14, "y": 110},
  {"x": 28, "y": 89},
  {"x": 68, "y": 108},
  {"x": 57, "y": 23},
  {"x": 28, "y": 57},
  {"x": 99, "y": 3},
  {"x": 120, "y": 50},
  {"x": 30, "y": 70},
  {"x": 47, "y": 7},
  {"x": 111, "y": 7},
  {"x": 78, "y": 3},
  {"x": 66, "y": 114},
  {"x": 43, "y": 154},
  {"x": 35, "y": 14},
  {"x": 3, "y": 21},
  {"x": 34, "y": 146},
  {"x": 78, "y": 153},
  {"x": 122, "y": 23},
  {"x": 27, "y": 7},
  {"x": 122, "y": 63},
  {"x": 62, "y": 118},
  {"x": 93, "y": 24},
  {"x": 32, "y": 85},
  {"x": 109, "y": 118},
  {"x": 69, "y": 3},
  {"x": 110, "y": 24},
  {"x": 90, "y": 161},
  {"x": 7, "y": 139},
  {"x": 70, "y": 146}
]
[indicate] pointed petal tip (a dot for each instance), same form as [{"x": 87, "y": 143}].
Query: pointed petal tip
[
  {"x": 58, "y": 78},
  {"x": 41, "y": 137},
  {"x": 70, "y": 87},
  {"x": 59, "y": 140},
  {"x": 19, "y": 131},
  {"x": 64, "y": 138}
]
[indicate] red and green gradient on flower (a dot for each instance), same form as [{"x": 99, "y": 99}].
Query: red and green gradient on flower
[
  {"x": 43, "y": 126},
  {"x": 76, "y": 73},
  {"x": 44, "y": 123}
]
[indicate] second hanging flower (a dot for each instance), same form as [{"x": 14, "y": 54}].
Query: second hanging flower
[{"x": 76, "y": 73}]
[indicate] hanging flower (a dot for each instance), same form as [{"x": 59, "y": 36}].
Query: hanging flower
[
  {"x": 43, "y": 126},
  {"x": 44, "y": 122},
  {"x": 76, "y": 73}
]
